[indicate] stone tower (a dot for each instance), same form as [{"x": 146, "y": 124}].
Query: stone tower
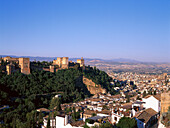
[
  {"x": 24, "y": 65},
  {"x": 8, "y": 69},
  {"x": 52, "y": 69},
  {"x": 81, "y": 62},
  {"x": 59, "y": 61},
  {"x": 65, "y": 62}
]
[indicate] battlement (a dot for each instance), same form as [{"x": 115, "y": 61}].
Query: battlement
[
  {"x": 10, "y": 59},
  {"x": 62, "y": 62},
  {"x": 81, "y": 62},
  {"x": 24, "y": 64}
]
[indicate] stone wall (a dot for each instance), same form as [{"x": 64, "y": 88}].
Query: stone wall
[
  {"x": 92, "y": 87},
  {"x": 165, "y": 102}
]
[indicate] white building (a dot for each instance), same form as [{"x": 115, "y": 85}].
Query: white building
[
  {"x": 137, "y": 107},
  {"x": 152, "y": 101},
  {"x": 115, "y": 117},
  {"x": 59, "y": 122},
  {"x": 52, "y": 122}
]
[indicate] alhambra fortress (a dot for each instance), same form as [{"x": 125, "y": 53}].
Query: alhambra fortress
[
  {"x": 15, "y": 64},
  {"x": 23, "y": 65}
]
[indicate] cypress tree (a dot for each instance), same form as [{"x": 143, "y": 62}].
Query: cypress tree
[{"x": 48, "y": 122}]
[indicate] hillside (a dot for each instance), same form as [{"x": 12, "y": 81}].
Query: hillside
[
  {"x": 100, "y": 78},
  {"x": 93, "y": 87},
  {"x": 25, "y": 93}
]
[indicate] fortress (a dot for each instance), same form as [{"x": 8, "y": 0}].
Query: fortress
[
  {"x": 64, "y": 63},
  {"x": 13, "y": 64},
  {"x": 23, "y": 65}
]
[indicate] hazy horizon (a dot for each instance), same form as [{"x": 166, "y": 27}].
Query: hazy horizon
[
  {"x": 114, "y": 59},
  {"x": 137, "y": 30}
]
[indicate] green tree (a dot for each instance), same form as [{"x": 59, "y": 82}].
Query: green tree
[
  {"x": 106, "y": 125},
  {"x": 93, "y": 114},
  {"x": 128, "y": 98},
  {"x": 144, "y": 93},
  {"x": 40, "y": 118},
  {"x": 48, "y": 122},
  {"x": 154, "y": 92},
  {"x": 74, "y": 113},
  {"x": 138, "y": 98},
  {"x": 126, "y": 122}
]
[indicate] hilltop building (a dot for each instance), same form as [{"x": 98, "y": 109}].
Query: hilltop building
[
  {"x": 14, "y": 64},
  {"x": 64, "y": 63},
  {"x": 24, "y": 65},
  {"x": 81, "y": 62}
]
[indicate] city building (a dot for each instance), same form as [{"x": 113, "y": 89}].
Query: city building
[{"x": 152, "y": 101}]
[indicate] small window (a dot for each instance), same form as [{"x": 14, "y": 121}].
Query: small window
[{"x": 115, "y": 118}]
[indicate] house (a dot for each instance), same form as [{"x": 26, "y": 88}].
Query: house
[
  {"x": 104, "y": 113},
  {"x": 78, "y": 124},
  {"x": 137, "y": 107},
  {"x": 119, "y": 113},
  {"x": 146, "y": 118},
  {"x": 152, "y": 101},
  {"x": 52, "y": 122},
  {"x": 87, "y": 114},
  {"x": 96, "y": 120},
  {"x": 62, "y": 121}
]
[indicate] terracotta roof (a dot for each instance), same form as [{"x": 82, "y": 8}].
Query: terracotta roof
[
  {"x": 105, "y": 112},
  {"x": 89, "y": 112},
  {"x": 116, "y": 96},
  {"x": 145, "y": 115},
  {"x": 127, "y": 105},
  {"x": 96, "y": 99},
  {"x": 158, "y": 97},
  {"x": 78, "y": 123}
]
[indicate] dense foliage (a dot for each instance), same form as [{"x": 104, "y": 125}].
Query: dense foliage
[
  {"x": 126, "y": 122},
  {"x": 24, "y": 93}
]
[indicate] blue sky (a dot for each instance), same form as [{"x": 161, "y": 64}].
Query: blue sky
[{"x": 107, "y": 29}]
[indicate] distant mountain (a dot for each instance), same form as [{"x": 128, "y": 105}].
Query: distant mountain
[
  {"x": 32, "y": 58},
  {"x": 38, "y": 58},
  {"x": 87, "y": 60},
  {"x": 125, "y": 60}
]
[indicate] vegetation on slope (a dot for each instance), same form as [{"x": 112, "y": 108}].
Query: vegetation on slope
[
  {"x": 24, "y": 93},
  {"x": 99, "y": 77}
]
